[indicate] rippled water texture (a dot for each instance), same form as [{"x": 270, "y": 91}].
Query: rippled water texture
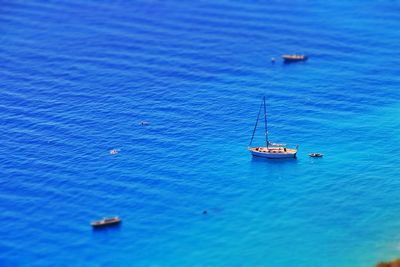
[{"x": 78, "y": 77}]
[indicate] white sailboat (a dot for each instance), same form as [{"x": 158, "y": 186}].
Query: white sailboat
[{"x": 270, "y": 150}]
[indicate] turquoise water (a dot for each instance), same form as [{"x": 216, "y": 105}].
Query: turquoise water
[{"x": 76, "y": 79}]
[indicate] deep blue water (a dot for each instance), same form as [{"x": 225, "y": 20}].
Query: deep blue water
[{"x": 77, "y": 77}]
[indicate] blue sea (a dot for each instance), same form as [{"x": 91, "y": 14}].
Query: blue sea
[{"x": 78, "y": 77}]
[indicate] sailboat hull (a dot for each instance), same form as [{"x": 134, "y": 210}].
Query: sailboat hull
[{"x": 273, "y": 153}]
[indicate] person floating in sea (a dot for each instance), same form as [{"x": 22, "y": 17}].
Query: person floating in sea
[
  {"x": 143, "y": 123},
  {"x": 114, "y": 151}
]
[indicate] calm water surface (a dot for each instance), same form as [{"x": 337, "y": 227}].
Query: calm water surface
[{"x": 77, "y": 77}]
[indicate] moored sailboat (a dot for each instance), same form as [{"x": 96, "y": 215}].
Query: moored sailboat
[{"x": 270, "y": 150}]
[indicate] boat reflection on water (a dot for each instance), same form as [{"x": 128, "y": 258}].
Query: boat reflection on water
[{"x": 257, "y": 160}]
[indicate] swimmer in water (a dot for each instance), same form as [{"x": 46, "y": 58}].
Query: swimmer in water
[{"x": 114, "y": 151}]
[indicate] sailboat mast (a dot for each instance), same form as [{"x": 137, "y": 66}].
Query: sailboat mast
[
  {"x": 265, "y": 123},
  {"x": 255, "y": 126}
]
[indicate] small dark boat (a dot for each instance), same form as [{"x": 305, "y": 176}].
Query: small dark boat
[
  {"x": 316, "y": 155},
  {"x": 106, "y": 222},
  {"x": 294, "y": 58}
]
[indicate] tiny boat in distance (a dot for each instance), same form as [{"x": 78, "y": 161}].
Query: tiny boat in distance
[
  {"x": 316, "y": 155},
  {"x": 271, "y": 150},
  {"x": 294, "y": 58},
  {"x": 106, "y": 222}
]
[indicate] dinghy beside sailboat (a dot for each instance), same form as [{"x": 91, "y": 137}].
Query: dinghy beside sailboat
[{"x": 270, "y": 150}]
